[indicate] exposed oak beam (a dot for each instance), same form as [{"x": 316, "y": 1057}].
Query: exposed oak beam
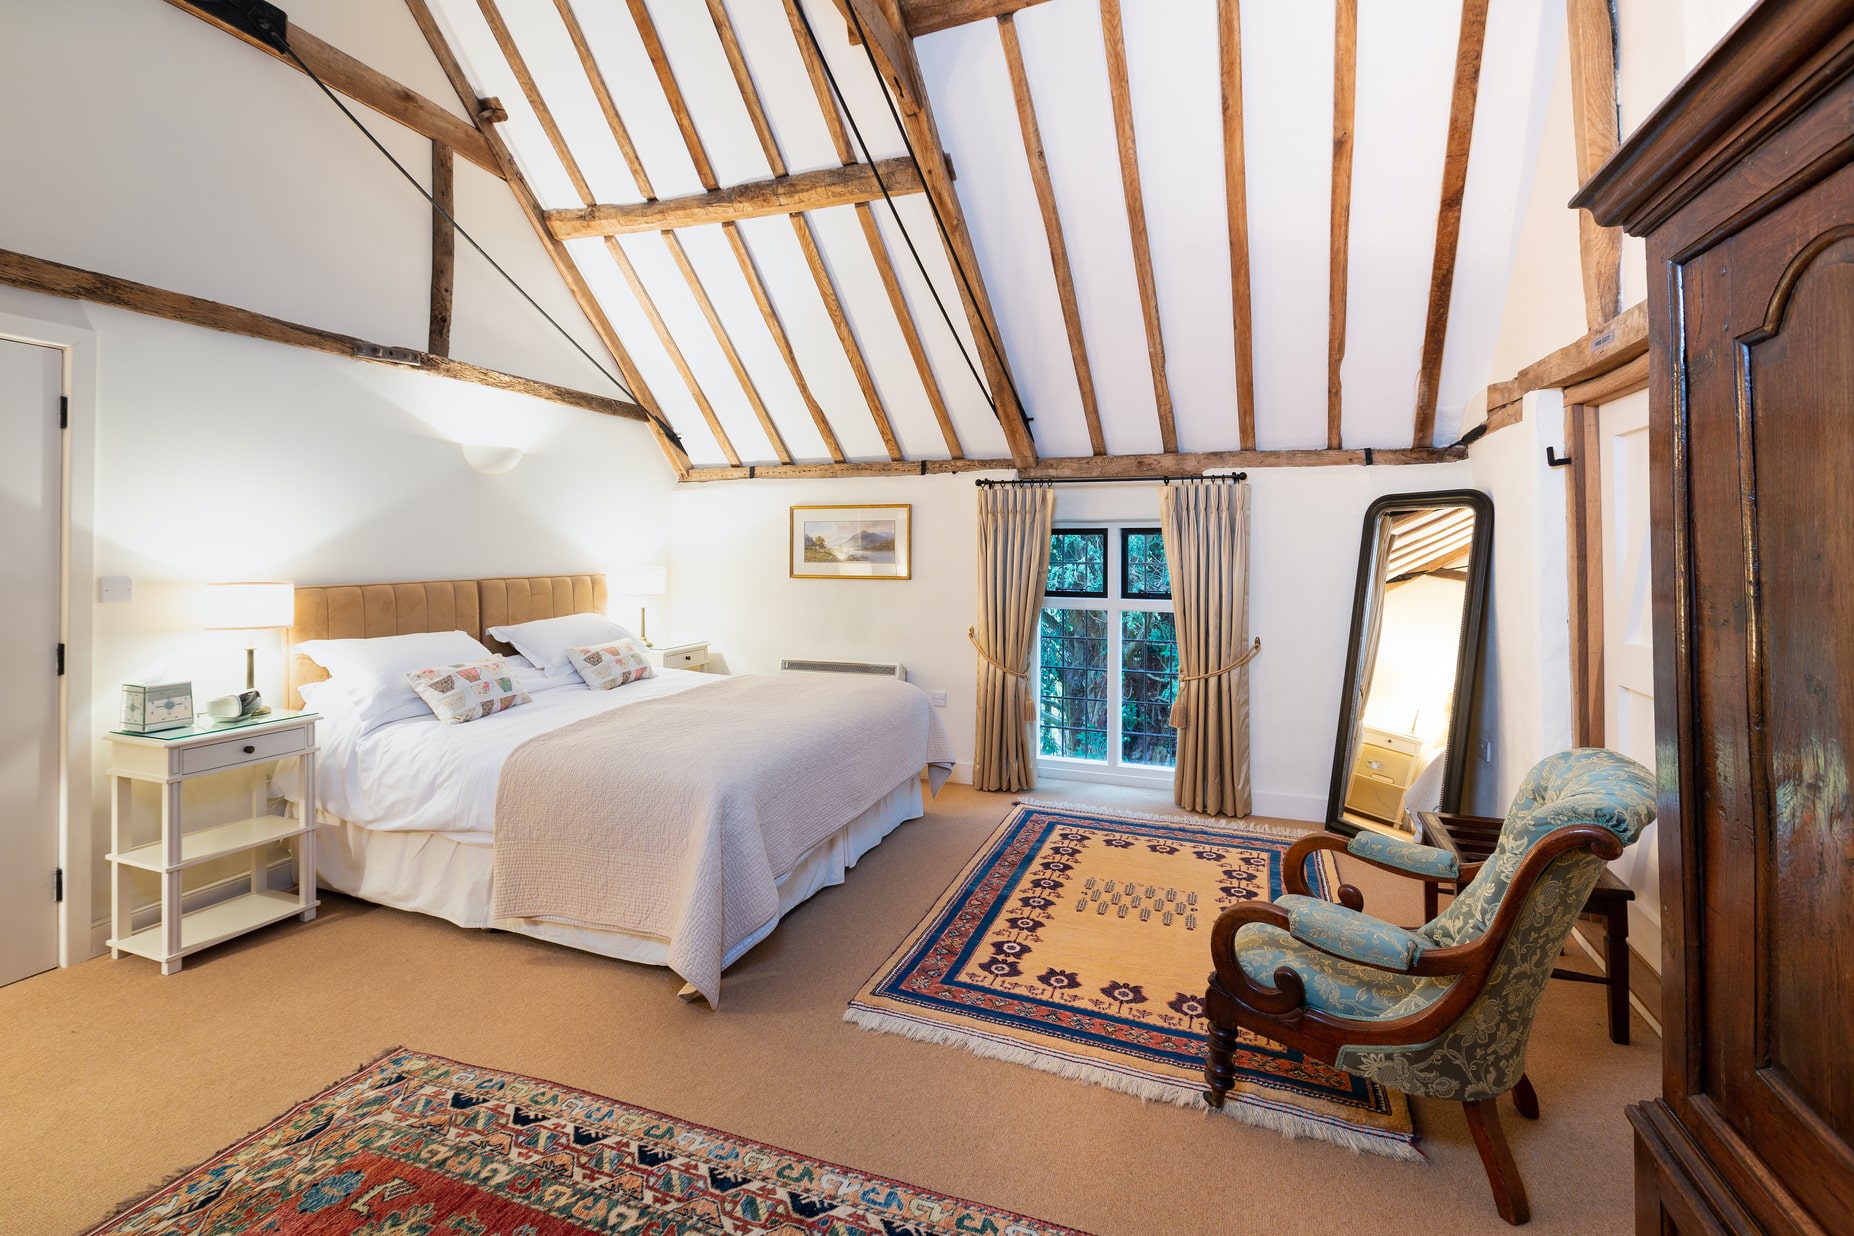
[
  {"x": 1094, "y": 467},
  {"x": 348, "y": 76},
  {"x": 743, "y": 80},
  {"x": 1594, "y": 126},
  {"x": 878, "y": 249},
  {"x": 562, "y": 260},
  {"x": 894, "y": 52},
  {"x": 620, "y": 134},
  {"x": 750, "y": 270},
  {"x": 833, "y": 305},
  {"x": 1468, "y": 46},
  {"x": 1623, "y": 380},
  {"x": 622, "y": 261},
  {"x": 74, "y": 283},
  {"x": 1052, "y": 228},
  {"x": 727, "y": 347},
  {"x": 887, "y": 40},
  {"x": 666, "y": 77},
  {"x": 1345, "y": 97},
  {"x": 1113, "y": 37},
  {"x": 830, "y": 186},
  {"x": 851, "y": 470},
  {"x": 1236, "y": 187},
  {"x": 1610, "y": 346},
  {"x": 443, "y": 248},
  {"x": 926, "y": 16}
]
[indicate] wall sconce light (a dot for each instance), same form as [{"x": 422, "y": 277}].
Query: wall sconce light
[{"x": 491, "y": 460}]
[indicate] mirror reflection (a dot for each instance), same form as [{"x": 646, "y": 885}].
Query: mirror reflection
[{"x": 1414, "y": 648}]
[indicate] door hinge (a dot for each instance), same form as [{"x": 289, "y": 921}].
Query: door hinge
[
  {"x": 64, "y": 411},
  {"x": 58, "y": 884},
  {"x": 61, "y": 660}
]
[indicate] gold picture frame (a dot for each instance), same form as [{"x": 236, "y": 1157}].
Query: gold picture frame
[{"x": 852, "y": 542}]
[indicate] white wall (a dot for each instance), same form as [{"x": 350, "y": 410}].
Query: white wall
[{"x": 729, "y": 585}]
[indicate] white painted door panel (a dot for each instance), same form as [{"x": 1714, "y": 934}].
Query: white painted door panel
[
  {"x": 1628, "y": 638},
  {"x": 31, "y": 379}
]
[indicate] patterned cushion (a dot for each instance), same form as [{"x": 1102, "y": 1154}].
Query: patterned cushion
[
  {"x": 605, "y": 666},
  {"x": 469, "y": 690},
  {"x": 1350, "y": 934},
  {"x": 1424, "y": 860},
  {"x": 1334, "y": 986}
]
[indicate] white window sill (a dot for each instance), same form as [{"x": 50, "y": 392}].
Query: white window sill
[{"x": 1090, "y": 770}]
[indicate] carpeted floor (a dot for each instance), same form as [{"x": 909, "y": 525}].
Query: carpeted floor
[{"x": 112, "y": 1078}]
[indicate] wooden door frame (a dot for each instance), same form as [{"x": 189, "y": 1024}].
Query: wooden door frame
[
  {"x": 76, "y": 723},
  {"x": 1584, "y": 542}
]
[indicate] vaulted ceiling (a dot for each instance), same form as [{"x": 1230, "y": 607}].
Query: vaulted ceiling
[{"x": 1122, "y": 172}]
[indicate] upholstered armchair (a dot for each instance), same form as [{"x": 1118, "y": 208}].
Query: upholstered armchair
[{"x": 1443, "y": 1011}]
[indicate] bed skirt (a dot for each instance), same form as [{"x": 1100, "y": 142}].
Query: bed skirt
[{"x": 430, "y": 873}]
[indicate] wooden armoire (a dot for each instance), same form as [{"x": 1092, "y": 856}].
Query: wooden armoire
[{"x": 1742, "y": 184}]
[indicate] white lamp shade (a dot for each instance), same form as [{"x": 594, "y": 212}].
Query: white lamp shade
[
  {"x": 639, "y": 581},
  {"x": 247, "y": 607},
  {"x": 491, "y": 460}
]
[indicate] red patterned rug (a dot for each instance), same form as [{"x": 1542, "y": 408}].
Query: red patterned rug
[{"x": 417, "y": 1145}]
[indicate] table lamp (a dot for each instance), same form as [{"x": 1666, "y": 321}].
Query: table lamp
[
  {"x": 641, "y": 581},
  {"x": 250, "y": 607}
]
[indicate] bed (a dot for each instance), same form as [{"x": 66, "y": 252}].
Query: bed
[{"x": 680, "y": 818}]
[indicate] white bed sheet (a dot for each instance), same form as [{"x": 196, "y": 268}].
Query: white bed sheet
[{"x": 424, "y": 776}]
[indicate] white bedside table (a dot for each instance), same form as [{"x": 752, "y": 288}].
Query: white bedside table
[
  {"x": 690, "y": 656},
  {"x": 171, "y": 758}
]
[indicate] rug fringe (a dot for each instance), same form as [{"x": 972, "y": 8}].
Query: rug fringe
[
  {"x": 1285, "y": 1123},
  {"x": 1245, "y": 824}
]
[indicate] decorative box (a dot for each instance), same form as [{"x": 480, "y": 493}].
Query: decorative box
[{"x": 148, "y": 707}]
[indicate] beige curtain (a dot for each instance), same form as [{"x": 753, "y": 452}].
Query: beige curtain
[
  {"x": 1206, "y": 530},
  {"x": 1013, "y": 564}
]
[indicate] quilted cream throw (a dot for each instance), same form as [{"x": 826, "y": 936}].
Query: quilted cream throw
[{"x": 674, "y": 818}]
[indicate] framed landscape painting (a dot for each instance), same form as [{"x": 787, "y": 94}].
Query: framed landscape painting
[{"x": 851, "y": 542}]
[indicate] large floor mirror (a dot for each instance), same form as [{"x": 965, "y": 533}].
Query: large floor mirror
[{"x": 1414, "y": 659}]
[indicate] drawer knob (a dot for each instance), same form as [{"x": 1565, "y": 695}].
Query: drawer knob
[{"x": 250, "y": 750}]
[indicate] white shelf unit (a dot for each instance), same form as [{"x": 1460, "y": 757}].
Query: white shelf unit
[{"x": 170, "y": 760}]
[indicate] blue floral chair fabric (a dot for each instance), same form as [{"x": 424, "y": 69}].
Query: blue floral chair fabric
[{"x": 1355, "y": 981}]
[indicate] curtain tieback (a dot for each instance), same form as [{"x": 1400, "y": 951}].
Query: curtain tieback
[
  {"x": 1029, "y": 710},
  {"x": 1178, "y": 718}
]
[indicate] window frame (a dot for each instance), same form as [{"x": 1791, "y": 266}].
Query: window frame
[
  {"x": 1114, "y": 601},
  {"x": 1126, "y": 594},
  {"x": 1107, "y": 575}
]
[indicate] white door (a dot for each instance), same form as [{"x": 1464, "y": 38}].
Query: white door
[
  {"x": 1628, "y": 639},
  {"x": 31, "y": 463}
]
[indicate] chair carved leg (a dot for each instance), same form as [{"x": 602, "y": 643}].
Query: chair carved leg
[
  {"x": 1219, "y": 1070},
  {"x": 1525, "y": 1098},
  {"x": 1509, "y": 1191}
]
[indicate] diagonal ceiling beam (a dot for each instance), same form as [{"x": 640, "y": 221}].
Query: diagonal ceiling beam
[
  {"x": 1113, "y": 38},
  {"x": 556, "y": 251},
  {"x": 1594, "y": 126},
  {"x": 1345, "y": 91},
  {"x": 894, "y": 54},
  {"x": 785, "y": 195},
  {"x": 1236, "y": 189},
  {"x": 926, "y": 16},
  {"x": 349, "y": 76},
  {"x": 1448, "y": 215}
]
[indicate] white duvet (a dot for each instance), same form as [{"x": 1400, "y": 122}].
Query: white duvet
[{"x": 421, "y": 775}]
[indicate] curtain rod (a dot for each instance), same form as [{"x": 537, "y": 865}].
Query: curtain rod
[{"x": 984, "y": 483}]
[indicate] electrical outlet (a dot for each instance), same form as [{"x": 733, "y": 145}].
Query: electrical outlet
[
  {"x": 938, "y": 698},
  {"x": 1486, "y": 750},
  {"x": 114, "y": 588}
]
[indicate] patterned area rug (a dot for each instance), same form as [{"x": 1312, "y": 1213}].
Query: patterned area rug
[
  {"x": 416, "y": 1145},
  {"x": 1077, "y": 941}
]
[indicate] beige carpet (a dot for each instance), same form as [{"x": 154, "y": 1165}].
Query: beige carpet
[{"x": 112, "y": 1078}]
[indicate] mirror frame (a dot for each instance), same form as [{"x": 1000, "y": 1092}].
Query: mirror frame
[{"x": 1467, "y": 657}]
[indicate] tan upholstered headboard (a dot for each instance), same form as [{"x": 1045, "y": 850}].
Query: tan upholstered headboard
[{"x": 365, "y": 611}]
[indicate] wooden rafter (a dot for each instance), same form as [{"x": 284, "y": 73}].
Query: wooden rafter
[
  {"x": 1594, "y": 127},
  {"x": 878, "y": 249},
  {"x": 1052, "y": 228},
  {"x": 556, "y": 252},
  {"x": 887, "y": 40},
  {"x": 443, "y": 248},
  {"x": 750, "y": 269},
  {"x": 1345, "y": 98},
  {"x": 785, "y": 195},
  {"x": 1113, "y": 36},
  {"x": 74, "y": 283},
  {"x": 827, "y": 288},
  {"x": 727, "y": 347},
  {"x": 349, "y": 76},
  {"x": 849, "y": 471},
  {"x": 1236, "y": 189},
  {"x": 596, "y": 78},
  {"x": 545, "y": 116},
  {"x": 926, "y": 16},
  {"x": 666, "y": 77},
  {"x": 743, "y": 80},
  {"x": 1468, "y": 46},
  {"x": 1610, "y": 346},
  {"x": 1087, "y": 467}
]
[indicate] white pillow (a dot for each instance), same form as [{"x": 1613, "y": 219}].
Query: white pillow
[
  {"x": 372, "y": 672},
  {"x": 545, "y": 641}
]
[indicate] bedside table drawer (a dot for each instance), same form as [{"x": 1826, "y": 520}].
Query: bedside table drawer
[
  {"x": 684, "y": 658},
  {"x": 240, "y": 749}
]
